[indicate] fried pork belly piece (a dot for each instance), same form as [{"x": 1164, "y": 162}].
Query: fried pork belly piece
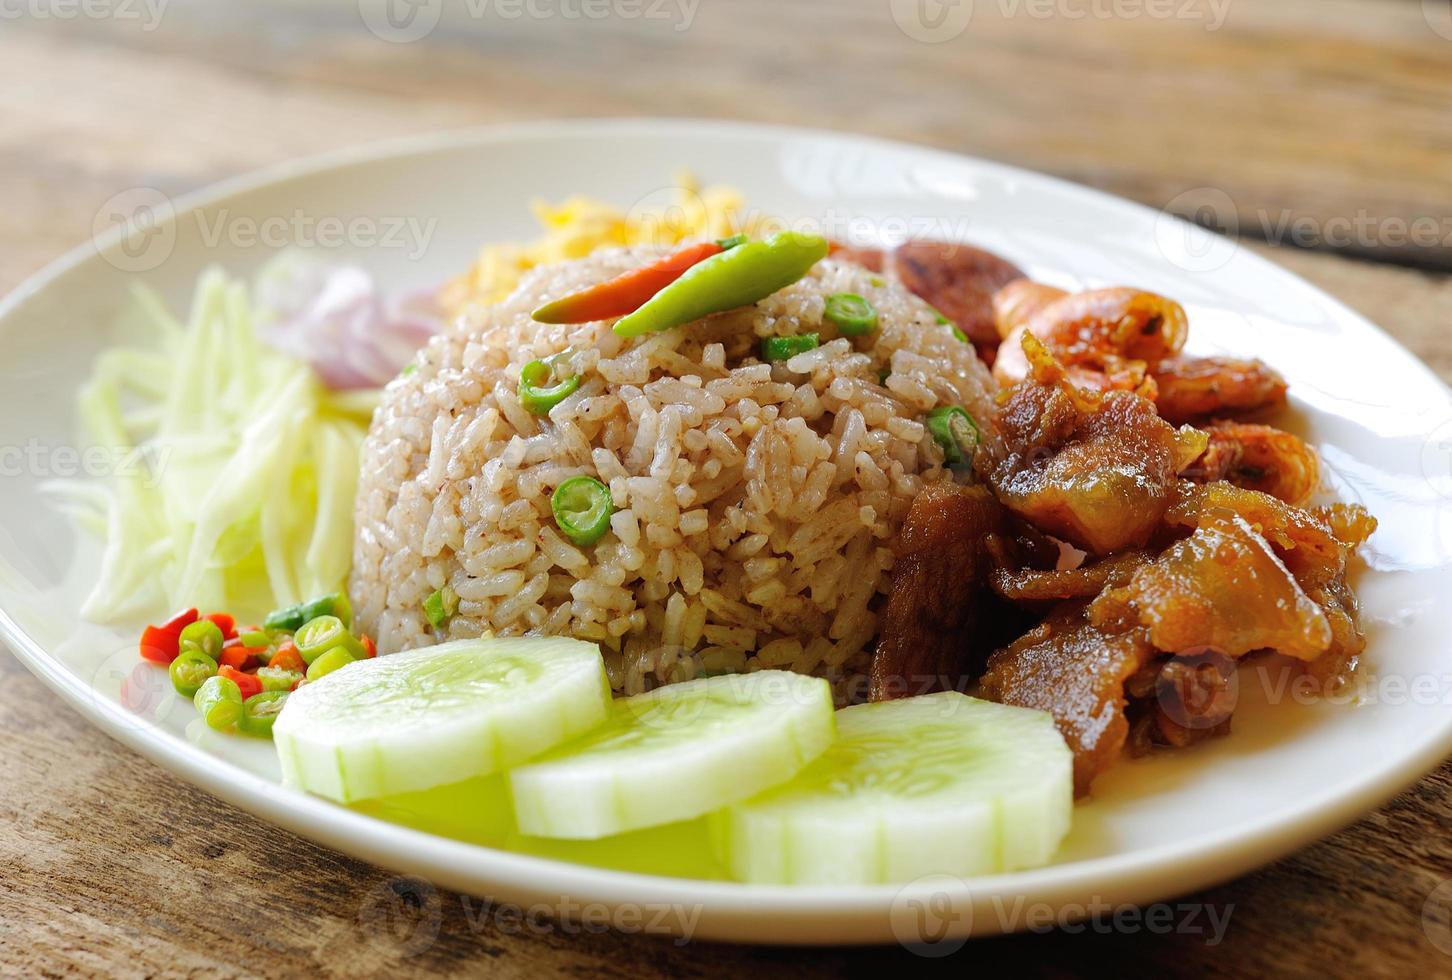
[
  {"x": 1052, "y": 585},
  {"x": 1258, "y": 457},
  {"x": 1075, "y": 671},
  {"x": 1096, "y": 471},
  {"x": 1196, "y": 388},
  {"x": 1223, "y": 588},
  {"x": 941, "y": 619}
]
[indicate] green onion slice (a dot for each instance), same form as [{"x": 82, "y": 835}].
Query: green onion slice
[
  {"x": 954, "y": 430},
  {"x": 851, "y": 314},
  {"x": 582, "y": 507},
  {"x": 785, "y": 348}
]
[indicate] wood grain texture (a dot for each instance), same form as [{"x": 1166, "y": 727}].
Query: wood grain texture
[{"x": 1310, "y": 109}]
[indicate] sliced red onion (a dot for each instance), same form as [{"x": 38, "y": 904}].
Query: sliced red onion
[{"x": 335, "y": 317}]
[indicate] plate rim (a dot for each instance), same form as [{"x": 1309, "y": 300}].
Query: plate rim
[{"x": 802, "y": 914}]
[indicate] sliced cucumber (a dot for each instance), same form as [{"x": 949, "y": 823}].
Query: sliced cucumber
[
  {"x": 939, "y": 784},
  {"x": 413, "y": 721},
  {"x": 676, "y": 753}
]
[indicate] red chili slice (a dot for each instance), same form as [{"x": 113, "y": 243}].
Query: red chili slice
[{"x": 161, "y": 644}]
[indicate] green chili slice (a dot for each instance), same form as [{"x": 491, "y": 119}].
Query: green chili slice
[
  {"x": 219, "y": 702},
  {"x": 203, "y": 636},
  {"x": 190, "y": 671},
  {"x": 852, "y": 315},
  {"x": 260, "y": 711},
  {"x": 954, "y": 430},
  {"x": 737, "y": 277},
  {"x": 582, "y": 507},
  {"x": 727, "y": 244},
  {"x": 323, "y": 634},
  {"x": 329, "y": 662},
  {"x": 533, "y": 394},
  {"x": 440, "y": 605},
  {"x": 290, "y": 619},
  {"x": 277, "y": 678},
  {"x": 785, "y": 348}
]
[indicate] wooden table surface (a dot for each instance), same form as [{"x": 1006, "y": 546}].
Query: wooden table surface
[{"x": 1322, "y": 128}]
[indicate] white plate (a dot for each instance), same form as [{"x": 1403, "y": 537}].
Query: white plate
[{"x": 1290, "y": 773}]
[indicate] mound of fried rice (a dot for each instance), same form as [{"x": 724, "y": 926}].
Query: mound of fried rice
[{"x": 756, "y": 504}]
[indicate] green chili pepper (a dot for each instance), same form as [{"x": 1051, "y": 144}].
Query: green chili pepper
[
  {"x": 290, "y": 619},
  {"x": 260, "y": 711},
  {"x": 727, "y": 244},
  {"x": 582, "y": 507},
  {"x": 954, "y": 430},
  {"x": 318, "y": 636},
  {"x": 851, "y": 314},
  {"x": 737, "y": 277},
  {"x": 329, "y": 662},
  {"x": 256, "y": 639},
  {"x": 190, "y": 671},
  {"x": 219, "y": 702},
  {"x": 440, "y": 605},
  {"x": 203, "y": 636},
  {"x": 785, "y": 348},
  {"x": 540, "y": 400}
]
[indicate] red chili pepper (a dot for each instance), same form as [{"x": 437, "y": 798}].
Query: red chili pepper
[
  {"x": 629, "y": 291},
  {"x": 161, "y": 644},
  {"x": 248, "y": 684},
  {"x": 288, "y": 658},
  {"x": 235, "y": 657},
  {"x": 370, "y": 649},
  {"x": 225, "y": 623}
]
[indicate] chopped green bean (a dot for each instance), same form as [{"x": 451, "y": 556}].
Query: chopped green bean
[
  {"x": 785, "y": 348},
  {"x": 538, "y": 399},
  {"x": 582, "y": 507},
  {"x": 953, "y": 429},
  {"x": 851, "y": 314}
]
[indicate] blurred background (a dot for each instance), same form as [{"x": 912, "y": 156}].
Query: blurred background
[{"x": 1317, "y": 131}]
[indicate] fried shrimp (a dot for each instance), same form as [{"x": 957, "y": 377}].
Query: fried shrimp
[
  {"x": 1258, "y": 457},
  {"x": 1191, "y": 388}
]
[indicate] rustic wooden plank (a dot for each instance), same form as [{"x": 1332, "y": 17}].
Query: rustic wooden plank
[
  {"x": 1320, "y": 109},
  {"x": 1313, "y": 120}
]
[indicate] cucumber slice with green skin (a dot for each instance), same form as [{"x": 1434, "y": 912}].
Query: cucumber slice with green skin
[
  {"x": 676, "y": 753},
  {"x": 939, "y": 784},
  {"x": 413, "y": 721}
]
